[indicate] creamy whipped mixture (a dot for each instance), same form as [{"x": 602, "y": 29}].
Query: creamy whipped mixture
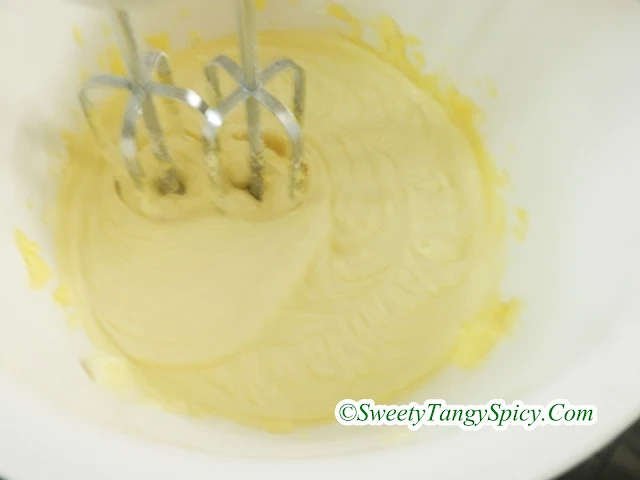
[{"x": 269, "y": 313}]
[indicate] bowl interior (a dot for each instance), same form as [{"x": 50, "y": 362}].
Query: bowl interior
[{"x": 564, "y": 124}]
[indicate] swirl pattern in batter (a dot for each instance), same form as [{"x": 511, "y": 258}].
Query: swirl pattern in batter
[{"x": 269, "y": 314}]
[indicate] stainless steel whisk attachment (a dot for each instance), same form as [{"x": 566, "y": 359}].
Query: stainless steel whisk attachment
[{"x": 250, "y": 91}]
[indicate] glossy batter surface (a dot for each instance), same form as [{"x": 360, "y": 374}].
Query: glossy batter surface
[{"x": 269, "y": 314}]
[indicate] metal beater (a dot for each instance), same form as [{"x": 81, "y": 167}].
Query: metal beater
[{"x": 250, "y": 91}]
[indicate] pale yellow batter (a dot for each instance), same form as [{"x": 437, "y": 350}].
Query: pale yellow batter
[{"x": 268, "y": 315}]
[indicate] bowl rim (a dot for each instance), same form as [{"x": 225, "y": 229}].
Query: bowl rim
[{"x": 66, "y": 446}]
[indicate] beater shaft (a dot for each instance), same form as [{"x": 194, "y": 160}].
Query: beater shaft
[
  {"x": 139, "y": 80},
  {"x": 250, "y": 67}
]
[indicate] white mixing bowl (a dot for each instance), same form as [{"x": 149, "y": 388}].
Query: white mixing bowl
[{"x": 566, "y": 125}]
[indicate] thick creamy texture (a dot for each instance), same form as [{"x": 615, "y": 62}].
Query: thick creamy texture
[{"x": 269, "y": 314}]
